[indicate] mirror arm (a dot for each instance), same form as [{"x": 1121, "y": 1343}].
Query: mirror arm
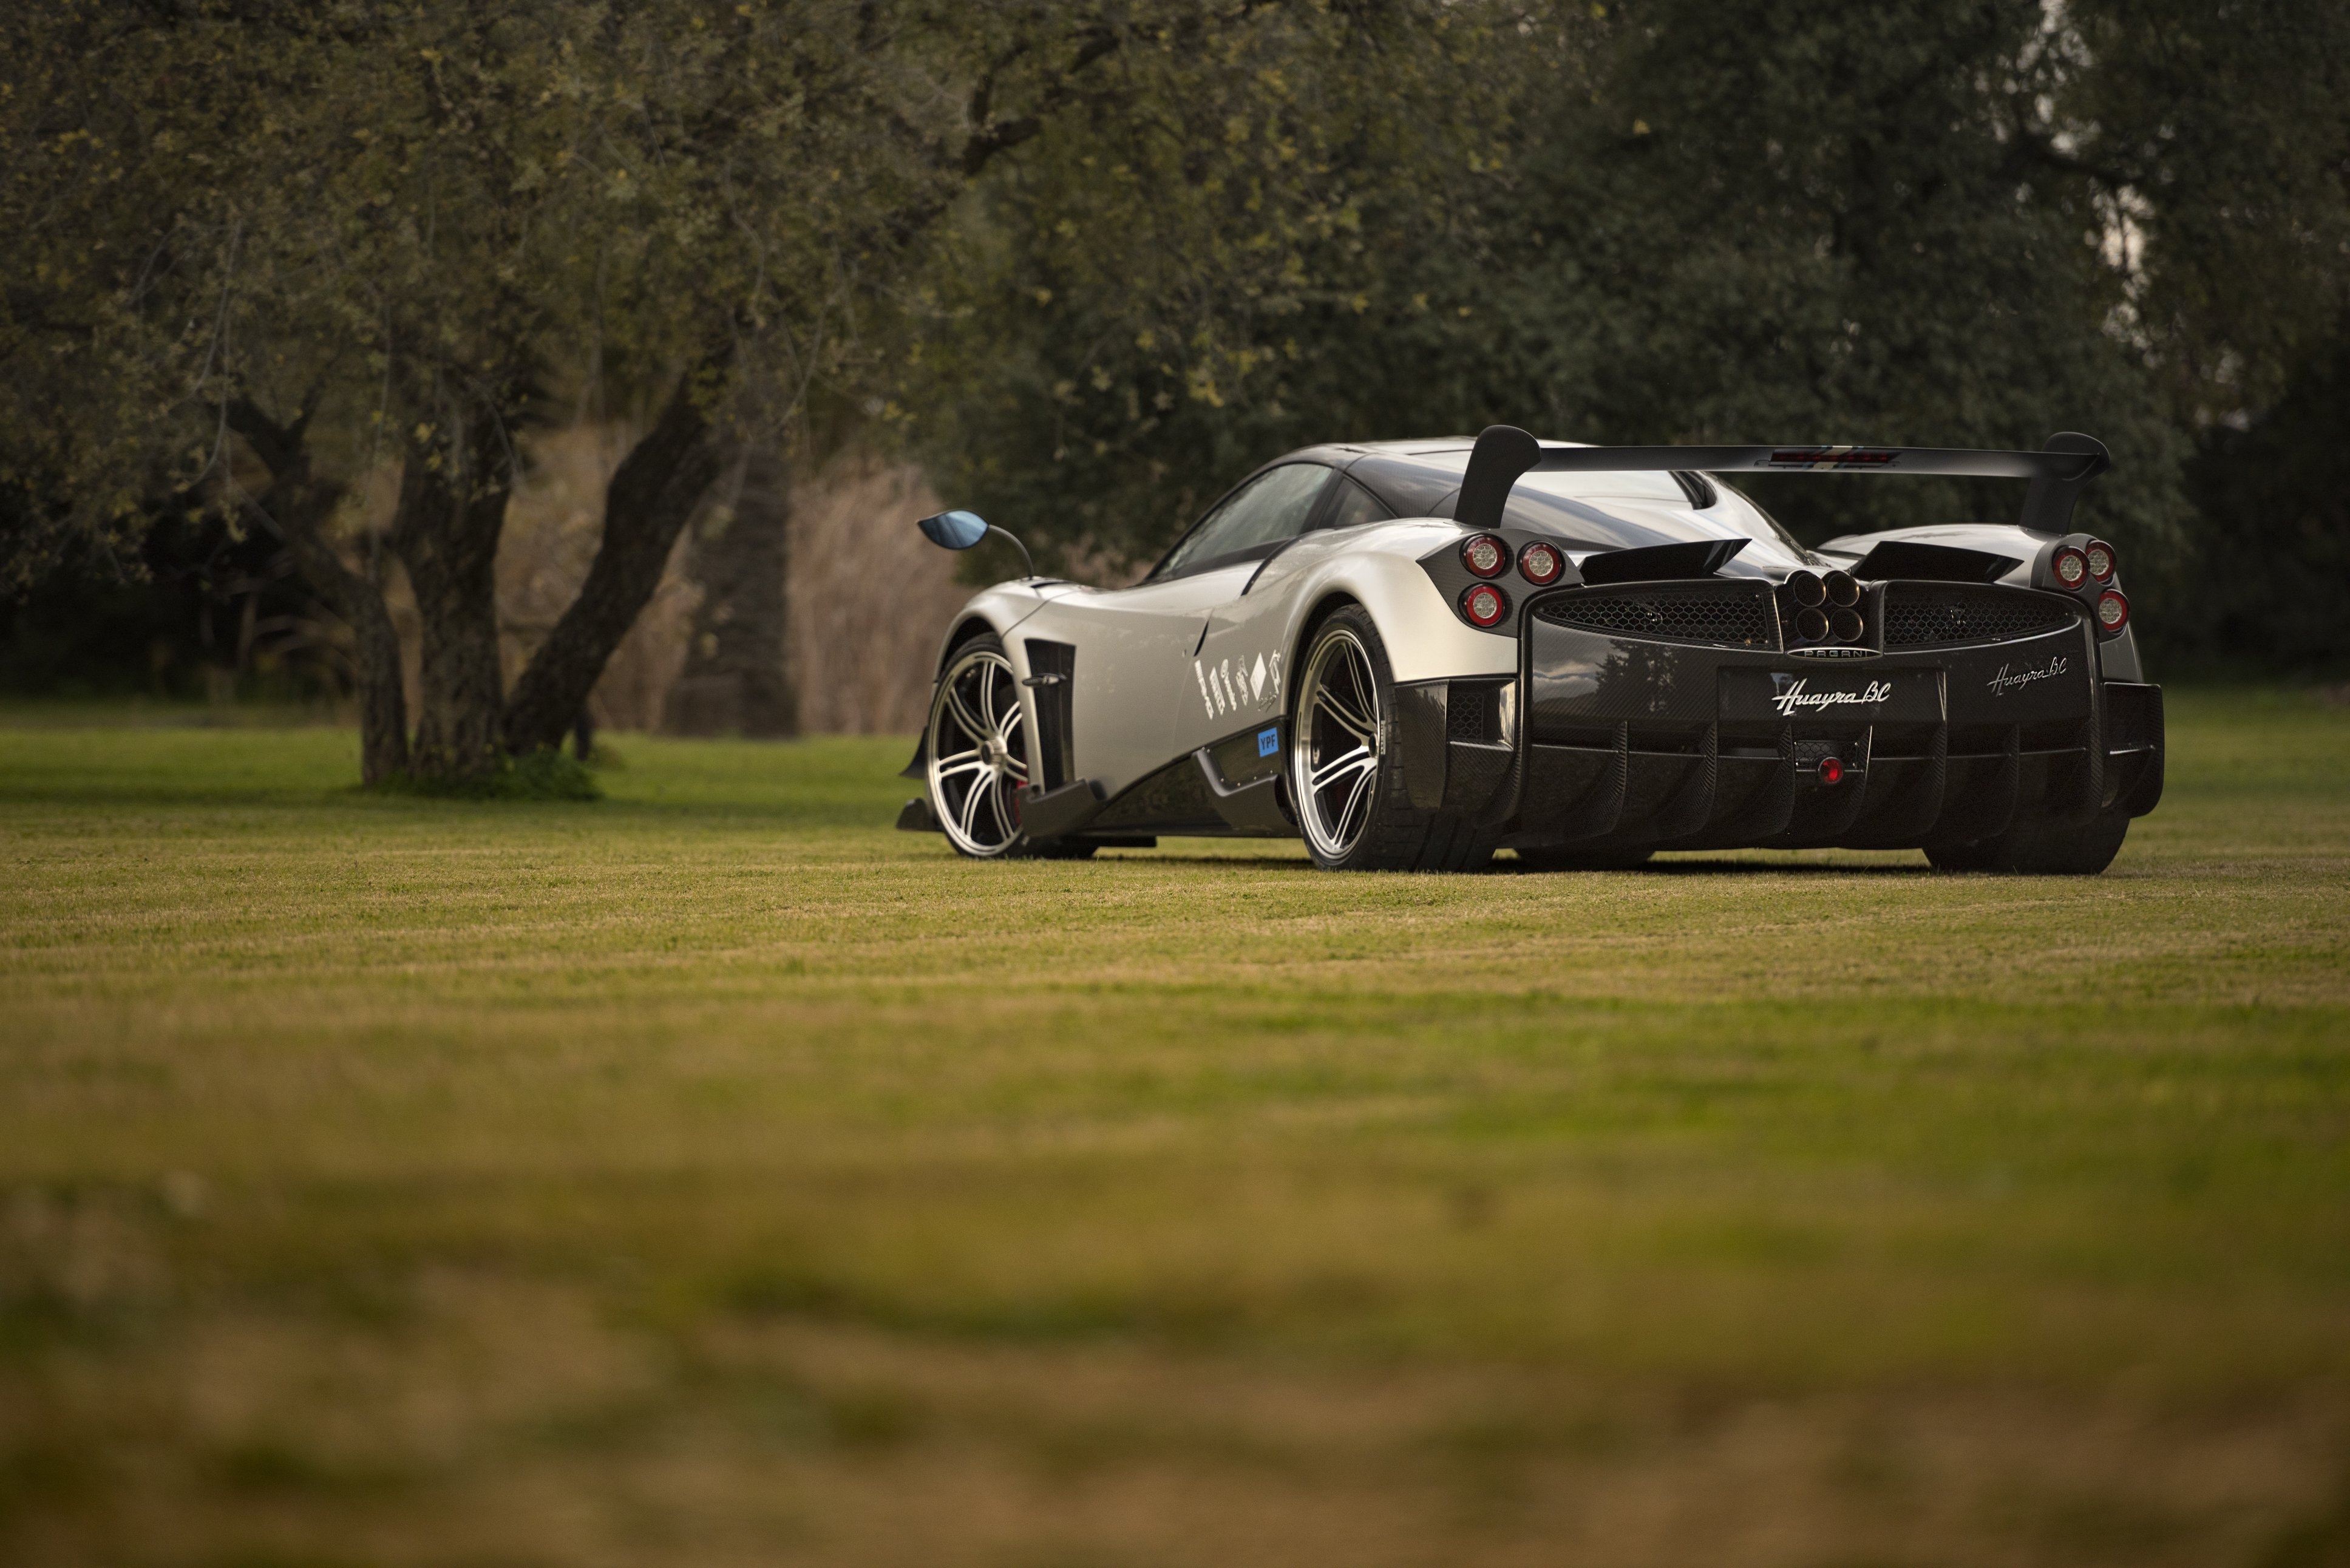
[{"x": 1026, "y": 559}]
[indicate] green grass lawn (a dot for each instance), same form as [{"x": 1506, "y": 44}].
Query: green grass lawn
[{"x": 710, "y": 1174}]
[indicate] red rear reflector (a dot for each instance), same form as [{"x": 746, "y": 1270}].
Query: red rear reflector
[
  {"x": 1833, "y": 457},
  {"x": 1831, "y": 771}
]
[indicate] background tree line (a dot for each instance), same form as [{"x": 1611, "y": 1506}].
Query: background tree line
[{"x": 1090, "y": 261}]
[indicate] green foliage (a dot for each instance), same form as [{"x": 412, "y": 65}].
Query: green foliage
[
  {"x": 1667, "y": 220},
  {"x": 2267, "y": 584}
]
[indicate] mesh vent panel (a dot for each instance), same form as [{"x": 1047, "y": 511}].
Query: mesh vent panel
[
  {"x": 1919, "y": 616},
  {"x": 1728, "y": 616}
]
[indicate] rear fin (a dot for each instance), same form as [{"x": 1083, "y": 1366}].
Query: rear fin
[
  {"x": 1916, "y": 560},
  {"x": 1651, "y": 563}
]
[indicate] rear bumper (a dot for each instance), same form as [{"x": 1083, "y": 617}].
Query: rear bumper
[{"x": 1615, "y": 741}]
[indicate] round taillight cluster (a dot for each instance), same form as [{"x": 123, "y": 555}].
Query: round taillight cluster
[
  {"x": 1484, "y": 555},
  {"x": 2071, "y": 566},
  {"x": 2101, "y": 560},
  {"x": 1540, "y": 563},
  {"x": 1485, "y": 605},
  {"x": 2113, "y": 610}
]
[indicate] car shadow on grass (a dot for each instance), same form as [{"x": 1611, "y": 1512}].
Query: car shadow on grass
[{"x": 1705, "y": 867}]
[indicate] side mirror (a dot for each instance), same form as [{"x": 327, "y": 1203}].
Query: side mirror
[
  {"x": 954, "y": 530},
  {"x": 962, "y": 530}
]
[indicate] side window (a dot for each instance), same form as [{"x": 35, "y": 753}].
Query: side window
[
  {"x": 1272, "y": 507},
  {"x": 1351, "y": 505}
]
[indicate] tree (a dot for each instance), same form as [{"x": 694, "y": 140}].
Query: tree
[
  {"x": 1662, "y": 220},
  {"x": 374, "y": 234}
]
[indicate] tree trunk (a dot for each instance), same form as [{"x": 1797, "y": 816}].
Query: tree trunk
[
  {"x": 359, "y": 599},
  {"x": 446, "y": 529},
  {"x": 734, "y": 681},
  {"x": 651, "y": 496},
  {"x": 298, "y": 506}
]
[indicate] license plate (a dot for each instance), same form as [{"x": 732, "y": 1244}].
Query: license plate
[{"x": 1828, "y": 696}]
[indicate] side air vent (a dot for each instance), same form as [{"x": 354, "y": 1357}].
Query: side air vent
[
  {"x": 1052, "y": 669},
  {"x": 1724, "y": 615},
  {"x": 1921, "y": 616},
  {"x": 1474, "y": 713}
]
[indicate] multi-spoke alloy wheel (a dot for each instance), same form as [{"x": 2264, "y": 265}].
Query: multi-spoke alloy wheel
[
  {"x": 978, "y": 748},
  {"x": 1348, "y": 773},
  {"x": 1335, "y": 762}
]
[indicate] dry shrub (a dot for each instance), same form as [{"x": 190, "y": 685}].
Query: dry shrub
[{"x": 870, "y": 598}]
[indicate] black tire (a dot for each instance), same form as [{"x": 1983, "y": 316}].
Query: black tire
[
  {"x": 1364, "y": 821},
  {"x": 976, "y": 744},
  {"x": 2032, "y": 846},
  {"x": 1569, "y": 858}
]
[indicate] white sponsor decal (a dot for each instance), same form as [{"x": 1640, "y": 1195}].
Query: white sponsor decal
[
  {"x": 2012, "y": 680},
  {"x": 1798, "y": 696},
  {"x": 1223, "y": 690}
]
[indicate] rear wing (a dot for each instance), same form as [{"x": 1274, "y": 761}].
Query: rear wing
[{"x": 1505, "y": 453}]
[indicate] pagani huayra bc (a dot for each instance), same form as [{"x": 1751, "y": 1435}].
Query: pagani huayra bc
[{"x": 1412, "y": 654}]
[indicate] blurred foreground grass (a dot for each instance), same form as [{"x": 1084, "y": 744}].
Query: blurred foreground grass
[{"x": 710, "y": 1175}]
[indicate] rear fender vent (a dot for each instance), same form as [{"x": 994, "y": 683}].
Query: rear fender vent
[
  {"x": 1720, "y": 614},
  {"x": 1921, "y": 615}
]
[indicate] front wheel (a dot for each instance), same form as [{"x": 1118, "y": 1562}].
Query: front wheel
[
  {"x": 977, "y": 744},
  {"x": 1347, "y": 775}
]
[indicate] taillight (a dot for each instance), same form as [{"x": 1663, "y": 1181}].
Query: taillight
[
  {"x": 2071, "y": 566},
  {"x": 1831, "y": 771},
  {"x": 1841, "y": 589},
  {"x": 2101, "y": 560},
  {"x": 1484, "y": 555},
  {"x": 1485, "y": 605},
  {"x": 1539, "y": 563},
  {"x": 1807, "y": 589},
  {"x": 2113, "y": 610}
]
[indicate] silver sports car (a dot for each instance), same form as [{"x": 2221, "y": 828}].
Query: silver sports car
[{"x": 1415, "y": 653}]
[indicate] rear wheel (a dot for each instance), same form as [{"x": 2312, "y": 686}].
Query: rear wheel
[
  {"x": 2035, "y": 847},
  {"x": 978, "y": 749},
  {"x": 1347, "y": 775}
]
